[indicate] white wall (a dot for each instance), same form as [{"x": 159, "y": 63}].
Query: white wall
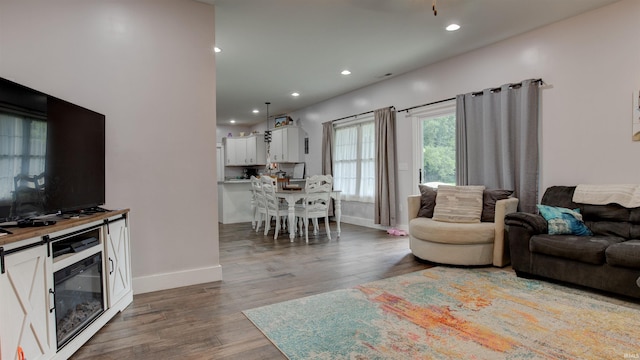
[
  {"x": 591, "y": 65},
  {"x": 235, "y": 130},
  {"x": 148, "y": 66}
]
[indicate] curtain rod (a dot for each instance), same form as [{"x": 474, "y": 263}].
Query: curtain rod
[
  {"x": 431, "y": 103},
  {"x": 356, "y": 115},
  {"x": 453, "y": 98},
  {"x": 478, "y": 93}
]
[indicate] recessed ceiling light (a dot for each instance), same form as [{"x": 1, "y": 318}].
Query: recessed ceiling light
[
  {"x": 232, "y": 121},
  {"x": 217, "y": 49},
  {"x": 345, "y": 72},
  {"x": 295, "y": 94},
  {"x": 453, "y": 27},
  {"x": 255, "y": 111}
]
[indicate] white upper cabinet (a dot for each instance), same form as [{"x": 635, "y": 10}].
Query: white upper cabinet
[
  {"x": 243, "y": 151},
  {"x": 287, "y": 144}
]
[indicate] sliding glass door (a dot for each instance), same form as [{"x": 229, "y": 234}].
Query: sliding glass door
[{"x": 434, "y": 145}]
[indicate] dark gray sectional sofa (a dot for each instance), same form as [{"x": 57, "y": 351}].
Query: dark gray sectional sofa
[{"x": 609, "y": 260}]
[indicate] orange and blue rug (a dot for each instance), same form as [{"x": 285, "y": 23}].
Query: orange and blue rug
[{"x": 453, "y": 313}]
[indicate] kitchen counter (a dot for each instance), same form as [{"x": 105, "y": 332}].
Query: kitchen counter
[{"x": 234, "y": 200}]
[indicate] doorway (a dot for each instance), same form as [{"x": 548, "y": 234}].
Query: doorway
[{"x": 434, "y": 145}]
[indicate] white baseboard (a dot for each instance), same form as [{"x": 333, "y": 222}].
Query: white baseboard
[
  {"x": 145, "y": 284},
  {"x": 368, "y": 223}
]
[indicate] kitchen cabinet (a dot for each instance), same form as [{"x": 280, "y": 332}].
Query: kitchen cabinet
[
  {"x": 245, "y": 151},
  {"x": 287, "y": 144}
]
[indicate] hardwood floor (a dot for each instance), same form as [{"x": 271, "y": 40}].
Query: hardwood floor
[{"x": 206, "y": 322}]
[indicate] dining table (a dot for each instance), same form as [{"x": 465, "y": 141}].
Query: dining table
[{"x": 293, "y": 196}]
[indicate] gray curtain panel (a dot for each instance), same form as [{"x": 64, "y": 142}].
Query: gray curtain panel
[
  {"x": 497, "y": 134},
  {"x": 327, "y": 148},
  {"x": 386, "y": 169},
  {"x": 327, "y": 153}
]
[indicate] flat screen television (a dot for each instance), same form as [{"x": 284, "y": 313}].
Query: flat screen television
[{"x": 52, "y": 154}]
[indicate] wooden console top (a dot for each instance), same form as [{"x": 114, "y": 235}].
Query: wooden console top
[{"x": 31, "y": 232}]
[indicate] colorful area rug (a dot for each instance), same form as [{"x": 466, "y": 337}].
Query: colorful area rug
[{"x": 452, "y": 313}]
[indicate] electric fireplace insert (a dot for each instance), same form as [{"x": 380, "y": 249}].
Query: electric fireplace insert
[{"x": 78, "y": 287}]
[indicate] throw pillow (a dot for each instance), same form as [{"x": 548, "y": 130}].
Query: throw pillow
[
  {"x": 459, "y": 204},
  {"x": 489, "y": 199},
  {"x": 427, "y": 201},
  {"x": 563, "y": 221}
]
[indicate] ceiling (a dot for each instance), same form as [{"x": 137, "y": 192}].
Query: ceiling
[{"x": 272, "y": 48}]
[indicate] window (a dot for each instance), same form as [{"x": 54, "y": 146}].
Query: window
[
  {"x": 354, "y": 160},
  {"x": 436, "y": 144}
]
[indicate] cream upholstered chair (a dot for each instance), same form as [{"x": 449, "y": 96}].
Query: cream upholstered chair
[
  {"x": 258, "y": 206},
  {"x": 273, "y": 206},
  {"x": 459, "y": 243},
  {"x": 315, "y": 204}
]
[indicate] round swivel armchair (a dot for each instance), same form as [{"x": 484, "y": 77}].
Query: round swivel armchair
[{"x": 443, "y": 237}]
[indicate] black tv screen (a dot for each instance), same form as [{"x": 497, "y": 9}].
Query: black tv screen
[{"x": 52, "y": 154}]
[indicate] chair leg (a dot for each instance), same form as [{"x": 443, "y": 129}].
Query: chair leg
[
  {"x": 258, "y": 222},
  {"x": 326, "y": 225},
  {"x": 306, "y": 230},
  {"x": 253, "y": 218},
  {"x": 275, "y": 235},
  {"x": 267, "y": 224},
  {"x": 315, "y": 226}
]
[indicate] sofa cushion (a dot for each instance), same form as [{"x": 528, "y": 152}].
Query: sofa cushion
[
  {"x": 610, "y": 228},
  {"x": 561, "y": 196},
  {"x": 489, "y": 198},
  {"x": 458, "y": 204},
  {"x": 611, "y": 212},
  {"x": 562, "y": 221},
  {"x": 427, "y": 201},
  {"x": 587, "y": 249},
  {"x": 625, "y": 254},
  {"x": 451, "y": 233}
]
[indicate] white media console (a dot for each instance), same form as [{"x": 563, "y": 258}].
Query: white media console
[{"x": 61, "y": 284}]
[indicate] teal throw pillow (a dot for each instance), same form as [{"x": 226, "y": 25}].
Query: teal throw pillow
[{"x": 564, "y": 221}]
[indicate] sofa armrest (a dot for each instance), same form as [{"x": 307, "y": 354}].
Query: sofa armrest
[
  {"x": 413, "y": 202},
  {"x": 533, "y": 223},
  {"x": 500, "y": 247}
]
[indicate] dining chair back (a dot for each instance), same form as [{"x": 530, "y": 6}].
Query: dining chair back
[
  {"x": 258, "y": 207},
  {"x": 274, "y": 208},
  {"x": 316, "y": 203}
]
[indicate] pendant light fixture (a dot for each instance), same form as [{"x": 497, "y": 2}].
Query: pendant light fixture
[
  {"x": 267, "y": 140},
  {"x": 267, "y": 133}
]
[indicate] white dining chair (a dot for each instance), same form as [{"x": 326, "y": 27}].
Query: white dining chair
[
  {"x": 315, "y": 204},
  {"x": 274, "y": 208},
  {"x": 258, "y": 206}
]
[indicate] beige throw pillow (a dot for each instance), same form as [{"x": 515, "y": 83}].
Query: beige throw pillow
[{"x": 458, "y": 204}]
